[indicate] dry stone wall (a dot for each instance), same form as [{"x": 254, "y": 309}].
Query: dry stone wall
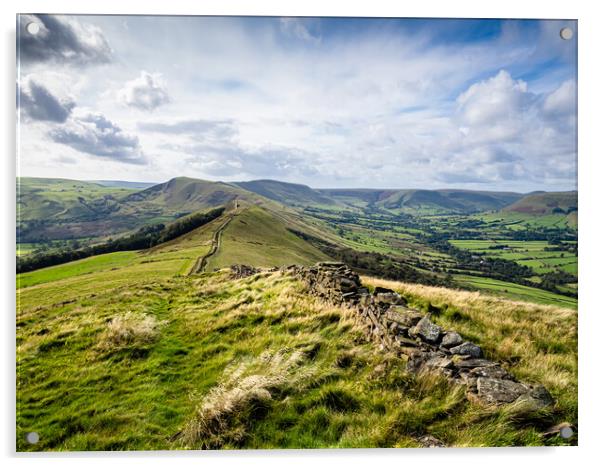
[{"x": 395, "y": 327}]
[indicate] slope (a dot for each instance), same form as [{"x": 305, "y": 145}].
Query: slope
[
  {"x": 286, "y": 193},
  {"x": 132, "y": 364},
  {"x": 259, "y": 237},
  {"x": 562, "y": 203}
]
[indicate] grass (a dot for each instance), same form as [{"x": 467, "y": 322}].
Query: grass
[
  {"x": 258, "y": 237},
  {"x": 514, "y": 291},
  {"x": 537, "y": 343},
  {"x": 175, "y": 361}
]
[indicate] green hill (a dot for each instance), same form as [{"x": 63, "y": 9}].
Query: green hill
[
  {"x": 286, "y": 193},
  {"x": 258, "y": 237},
  {"x": 540, "y": 203},
  {"x": 422, "y": 201}
]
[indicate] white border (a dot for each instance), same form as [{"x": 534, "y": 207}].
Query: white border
[{"x": 590, "y": 177}]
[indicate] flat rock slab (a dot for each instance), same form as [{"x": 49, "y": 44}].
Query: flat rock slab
[
  {"x": 467, "y": 349},
  {"x": 497, "y": 391}
]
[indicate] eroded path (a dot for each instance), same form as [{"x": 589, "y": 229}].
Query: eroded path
[{"x": 216, "y": 241}]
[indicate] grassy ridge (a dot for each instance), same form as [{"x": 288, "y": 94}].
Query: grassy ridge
[
  {"x": 257, "y": 237},
  {"x": 152, "y": 364}
]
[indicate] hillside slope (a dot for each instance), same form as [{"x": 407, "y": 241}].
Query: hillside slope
[
  {"x": 545, "y": 203},
  {"x": 140, "y": 363},
  {"x": 286, "y": 193},
  {"x": 257, "y": 237}
]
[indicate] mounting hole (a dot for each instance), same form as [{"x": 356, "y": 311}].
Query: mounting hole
[
  {"x": 566, "y": 432},
  {"x": 566, "y": 33},
  {"x": 33, "y": 28},
  {"x": 32, "y": 437}
]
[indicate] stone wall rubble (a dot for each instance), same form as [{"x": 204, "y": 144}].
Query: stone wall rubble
[{"x": 427, "y": 346}]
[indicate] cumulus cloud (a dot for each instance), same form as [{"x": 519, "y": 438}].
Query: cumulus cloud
[
  {"x": 37, "y": 102},
  {"x": 94, "y": 134},
  {"x": 62, "y": 39},
  {"x": 146, "y": 92}
]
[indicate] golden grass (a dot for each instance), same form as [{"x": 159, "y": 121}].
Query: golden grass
[
  {"x": 244, "y": 393},
  {"x": 128, "y": 330},
  {"x": 538, "y": 343}
]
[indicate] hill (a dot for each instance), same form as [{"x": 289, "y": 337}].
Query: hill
[
  {"x": 130, "y": 352},
  {"x": 540, "y": 203},
  {"x": 286, "y": 193},
  {"x": 260, "y": 238},
  {"x": 52, "y": 209},
  {"x": 422, "y": 201}
]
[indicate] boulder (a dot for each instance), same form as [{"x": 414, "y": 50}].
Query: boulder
[
  {"x": 403, "y": 316},
  {"x": 451, "y": 339},
  {"x": 426, "y": 330},
  {"x": 467, "y": 349},
  {"x": 536, "y": 398},
  {"x": 498, "y": 391}
]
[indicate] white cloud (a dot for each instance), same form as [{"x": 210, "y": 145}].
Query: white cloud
[{"x": 146, "y": 92}]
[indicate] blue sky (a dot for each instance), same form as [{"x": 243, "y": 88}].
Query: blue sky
[{"x": 329, "y": 102}]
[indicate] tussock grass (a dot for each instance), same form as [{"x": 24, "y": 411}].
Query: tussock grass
[
  {"x": 243, "y": 396},
  {"x": 129, "y": 330}
]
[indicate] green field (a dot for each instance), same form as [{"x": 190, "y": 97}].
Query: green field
[
  {"x": 516, "y": 292},
  {"x": 529, "y": 253}
]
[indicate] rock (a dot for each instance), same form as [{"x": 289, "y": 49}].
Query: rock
[
  {"x": 491, "y": 372},
  {"x": 403, "y": 316},
  {"x": 467, "y": 349},
  {"x": 497, "y": 391},
  {"x": 439, "y": 362},
  {"x": 426, "y": 330},
  {"x": 346, "y": 285},
  {"x": 428, "y": 441},
  {"x": 451, "y": 339},
  {"x": 468, "y": 364},
  {"x": 536, "y": 398}
]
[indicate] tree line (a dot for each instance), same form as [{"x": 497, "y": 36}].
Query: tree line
[{"x": 144, "y": 238}]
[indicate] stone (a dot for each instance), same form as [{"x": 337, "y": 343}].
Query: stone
[
  {"x": 428, "y": 441},
  {"x": 497, "y": 391},
  {"x": 439, "y": 362},
  {"x": 467, "y": 349},
  {"x": 491, "y": 372},
  {"x": 468, "y": 364},
  {"x": 536, "y": 398},
  {"x": 426, "y": 330},
  {"x": 451, "y": 339},
  {"x": 345, "y": 284},
  {"x": 403, "y": 316}
]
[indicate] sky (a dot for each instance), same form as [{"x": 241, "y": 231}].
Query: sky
[{"x": 327, "y": 102}]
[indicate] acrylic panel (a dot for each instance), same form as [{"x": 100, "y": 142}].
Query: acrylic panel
[{"x": 274, "y": 233}]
